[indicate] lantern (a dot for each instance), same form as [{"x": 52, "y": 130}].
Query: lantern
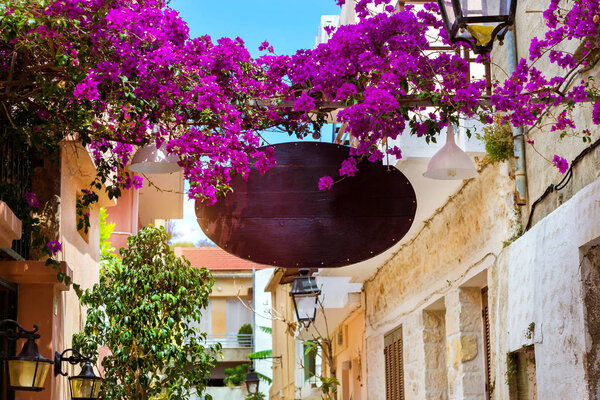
[
  {"x": 305, "y": 295},
  {"x": 477, "y": 22},
  {"x": 29, "y": 369},
  {"x": 450, "y": 162},
  {"x": 86, "y": 385},
  {"x": 252, "y": 381}
]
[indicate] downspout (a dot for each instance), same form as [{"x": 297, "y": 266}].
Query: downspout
[
  {"x": 518, "y": 137},
  {"x": 254, "y": 333}
]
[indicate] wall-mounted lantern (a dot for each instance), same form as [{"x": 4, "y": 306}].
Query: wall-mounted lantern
[
  {"x": 28, "y": 370},
  {"x": 305, "y": 295},
  {"x": 252, "y": 381},
  {"x": 86, "y": 385},
  {"x": 478, "y": 22}
]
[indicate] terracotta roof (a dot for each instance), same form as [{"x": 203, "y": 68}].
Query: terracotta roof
[{"x": 216, "y": 259}]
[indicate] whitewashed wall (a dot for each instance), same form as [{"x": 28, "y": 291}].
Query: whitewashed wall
[
  {"x": 263, "y": 340},
  {"x": 539, "y": 281}
]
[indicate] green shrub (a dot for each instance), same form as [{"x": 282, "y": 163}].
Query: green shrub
[
  {"x": 235, "y": 376},
  {"x": 145, "y": 310},
  {"x": 243, "y": 341},
  {"x": 498, "y": 140}
]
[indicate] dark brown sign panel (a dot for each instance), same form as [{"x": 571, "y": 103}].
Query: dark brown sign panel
[{"x": 282, "y": 219}]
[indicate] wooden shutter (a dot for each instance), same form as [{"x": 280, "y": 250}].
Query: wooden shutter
[
  {"x": 485, "y": 313},
  {"x": 394, "y": 365}
]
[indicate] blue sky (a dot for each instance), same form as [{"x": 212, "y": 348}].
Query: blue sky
[{"x": 288, "y": 25}]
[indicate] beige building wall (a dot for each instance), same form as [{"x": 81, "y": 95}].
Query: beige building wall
[
  {"x": 41, "y": 299},
  {"x": 349, "y": 355},
  {"x": 283, "y": 386},
  {"x": 80, "y": 251},
  {"x": 229, "y": 287}
]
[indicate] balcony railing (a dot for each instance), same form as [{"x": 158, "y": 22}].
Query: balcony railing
[
  {"x": 15, "y": 180},
  {"x": 231, "y": 341}
]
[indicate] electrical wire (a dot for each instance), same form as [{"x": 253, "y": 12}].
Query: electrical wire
[{"x": 563, "y": 182}]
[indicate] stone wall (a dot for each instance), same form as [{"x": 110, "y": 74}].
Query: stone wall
[
  {"x": 457, "y": 243},
  {"x": 591, "y": 297},
  {"x": 464, "y": 335},
  {"x": 473, "y": 223},
  {"x": 434, "y": 343}
]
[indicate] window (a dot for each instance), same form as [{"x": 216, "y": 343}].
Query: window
[
  {"x": 205, "y": 324},
  {"x": 310, "y": 360},
  {"x": 394, "y": 365},
  {"x": 522, "y": 383},
  {"x": 238, "y": 313}
]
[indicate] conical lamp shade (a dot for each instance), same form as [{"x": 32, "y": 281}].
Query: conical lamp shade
[
  {"x": 450, "y": 162},
  {"x": 152, "y": 160}
]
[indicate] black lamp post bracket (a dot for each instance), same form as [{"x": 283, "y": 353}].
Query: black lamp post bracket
[
  {"x": 74, "y": 359},
  {"x": 16, "y": 331}
]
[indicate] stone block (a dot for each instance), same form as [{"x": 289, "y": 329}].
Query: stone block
[
  {"x": 468, "y": 347},
  {"x": 473, "y": 385},
  {"x": 461, "y": 349}
]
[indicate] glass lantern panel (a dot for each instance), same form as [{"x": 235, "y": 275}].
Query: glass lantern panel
[
  {"x": 253, "y": 387},
  {"x": 21, "y": 373},
  {"x": 305, "y": 306},
  {"x": 82, "y": 388},
  {"x": 485, "y": 8},
  {"x": 447, "y": 5}
]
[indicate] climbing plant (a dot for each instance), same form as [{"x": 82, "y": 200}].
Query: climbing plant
[{"x": 116, "y": 74}]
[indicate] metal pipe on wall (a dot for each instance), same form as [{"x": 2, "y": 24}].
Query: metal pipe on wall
[{"x": 518, "y": 137}]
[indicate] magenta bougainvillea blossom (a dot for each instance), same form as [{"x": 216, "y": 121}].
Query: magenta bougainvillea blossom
[
  {"x": 31, "y": 200},
  {"x": 119, "y": 74},
  {"x": 560, "y": 163},
  {"x": 325, "y": 183},
  {"x": 54, "y": 247}
]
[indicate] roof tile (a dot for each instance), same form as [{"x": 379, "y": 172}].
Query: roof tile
[{"x": 216, "y": 259}]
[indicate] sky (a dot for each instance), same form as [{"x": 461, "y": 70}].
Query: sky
[{"x": 288, "y": 25}]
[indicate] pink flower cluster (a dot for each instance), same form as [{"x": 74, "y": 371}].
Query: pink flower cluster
[
  {"x": 131, "y": 75},
  {"x": 560, "y": 163},
  {"x": 54, "y": 247}
]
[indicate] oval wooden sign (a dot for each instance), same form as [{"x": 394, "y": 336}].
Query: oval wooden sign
[{"x": 282, "y": 219}]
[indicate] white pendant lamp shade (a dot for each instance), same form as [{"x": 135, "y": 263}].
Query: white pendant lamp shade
[
  {"x": 152, "y": 160},
  {"x": 450, "y": 162}
]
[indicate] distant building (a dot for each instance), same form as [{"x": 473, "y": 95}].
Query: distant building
[
  {"x": 326, "y": 21},
  {"x": 231, "y": 306}
]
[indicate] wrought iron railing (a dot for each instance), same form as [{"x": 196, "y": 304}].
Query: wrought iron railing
[
  {"x": 15, "y": 180},
  {"x": 231, "y": 341}
]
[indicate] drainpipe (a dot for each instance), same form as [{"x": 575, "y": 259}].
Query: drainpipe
[
  {"x": 518, "y": 138},
  {"x": 254, "y": 334}
]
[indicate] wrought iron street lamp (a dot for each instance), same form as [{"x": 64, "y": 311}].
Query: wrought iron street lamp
[
  {"x": 305, "y": 295},
  {"x": 252, "y": 381},
  {"x": 86, "y": 385},
  {"x": 29, "y": 369},
  {"x": 478, "y": 22}
]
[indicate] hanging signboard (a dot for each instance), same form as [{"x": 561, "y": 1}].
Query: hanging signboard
[{"x": 282, "y": 219}]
